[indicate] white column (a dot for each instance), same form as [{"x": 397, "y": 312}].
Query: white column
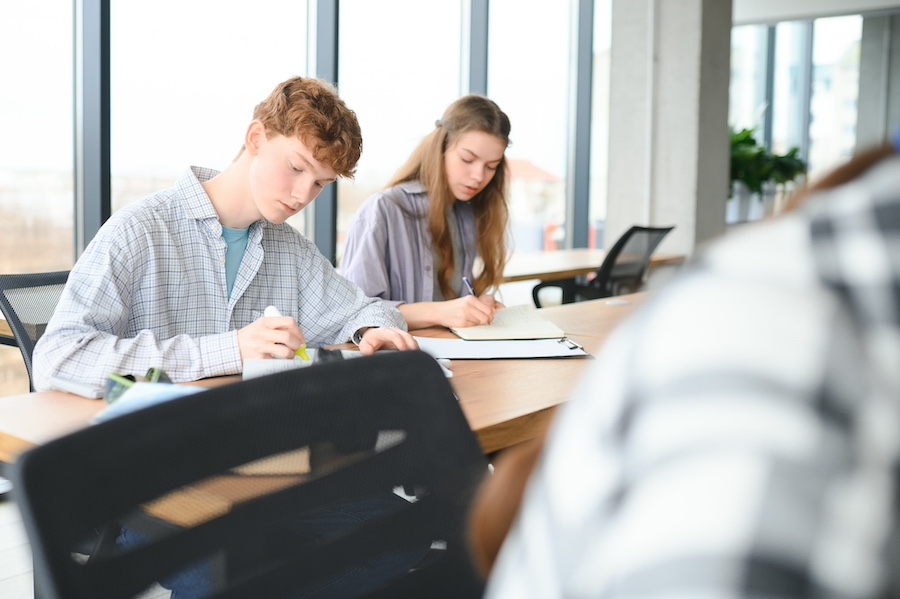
[
  {"x": 669, "y": 148},
  {"x": 879, "y": 81}
]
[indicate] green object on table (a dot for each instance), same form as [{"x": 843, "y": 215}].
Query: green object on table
[{"x": 117, "y": 384}]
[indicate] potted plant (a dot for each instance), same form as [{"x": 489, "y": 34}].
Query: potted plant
[{"x": 757, "y": 171}]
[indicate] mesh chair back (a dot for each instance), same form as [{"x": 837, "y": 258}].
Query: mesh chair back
[
  {"x": 624, "y": 266},
  {"x": 27, "y": 302},
  {"x": 343, "y": 479}
]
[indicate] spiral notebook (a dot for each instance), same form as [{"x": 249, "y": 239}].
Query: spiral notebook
[{"x": 515, "y": 322}]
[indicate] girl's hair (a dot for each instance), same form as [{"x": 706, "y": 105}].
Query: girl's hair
[
  {"x": 426, "y": 164},
  {"x": 311, "y": 110}
]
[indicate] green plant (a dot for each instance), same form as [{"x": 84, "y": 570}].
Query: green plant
[
  {"x": 748, "y": 160},
  {"x": 753, "y": 164},
  {"x": 788, "y": 167}
]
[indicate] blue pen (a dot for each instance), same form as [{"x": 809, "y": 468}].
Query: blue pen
[{"x": 468, "y": 285}]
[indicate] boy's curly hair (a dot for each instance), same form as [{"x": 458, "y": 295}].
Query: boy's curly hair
[{"x": 311, "y": 110}]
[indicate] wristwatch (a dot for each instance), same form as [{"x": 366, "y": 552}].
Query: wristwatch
[{"x": 358, "y": 335}]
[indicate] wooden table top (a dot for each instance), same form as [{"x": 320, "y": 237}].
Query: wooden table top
[
  {"x": 565, "y": 264},
  {"x": 505, "y": 401},
  {"x": 5, "y": 331}
]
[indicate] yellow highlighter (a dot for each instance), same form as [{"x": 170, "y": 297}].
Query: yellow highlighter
[{"x": 300, "y": 352}]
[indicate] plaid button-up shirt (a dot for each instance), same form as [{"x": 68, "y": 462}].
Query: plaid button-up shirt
[
  {"x": 739, "y": 436},
  {"x": 150, "y": 290}
]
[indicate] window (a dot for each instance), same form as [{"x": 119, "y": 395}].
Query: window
[
  {"x": 185, "y": 77},
  {"x": 529, "y": 77},
  {"x": 747, "y": 93},
  {"x": 36, "y": 172},
  {"x": 815, "y": 87},
  {"x": 398, "y": 69},
  {"x": 791, "y": 94},
  {"x": 36, "y": 181},
  {"x": 835, "y": 91}
]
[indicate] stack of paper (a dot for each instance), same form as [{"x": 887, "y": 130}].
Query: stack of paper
[{"x": 460, "y": 349}]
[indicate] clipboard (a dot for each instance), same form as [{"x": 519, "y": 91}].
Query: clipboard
[{"x": 460, "y": 349}]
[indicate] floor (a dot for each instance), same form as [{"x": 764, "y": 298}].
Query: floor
[
  {"x": 15, "y": 554},
  {"x": 16, "y": 575}
]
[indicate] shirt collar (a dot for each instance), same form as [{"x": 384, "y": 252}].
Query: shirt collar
[
  {"x": 197, "y": 204},
  {"x": 412, "y": 186}
]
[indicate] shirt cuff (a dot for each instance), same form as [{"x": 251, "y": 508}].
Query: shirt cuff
[{"x": 358, "y": 335}]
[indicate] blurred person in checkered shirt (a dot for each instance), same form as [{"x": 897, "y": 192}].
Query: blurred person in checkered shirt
[{"x": 739, "y": 434}]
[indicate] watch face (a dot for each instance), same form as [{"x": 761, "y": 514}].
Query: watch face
[{"x": 358, "y": 335}]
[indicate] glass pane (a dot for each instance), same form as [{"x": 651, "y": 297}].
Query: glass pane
[
  {"x": 747, "y": 91},
  {"x": 835, "y": 92},
  {"x": 789, "y": 94},
  {"x": 600, "y": 121},
  {"x": 528, "y": 77},
  {"x": 36, "y": 180},
  {"x": 398, "y": 68},
  {"x": 36, "y": 173},
  {"x": 185, "y": 79}
]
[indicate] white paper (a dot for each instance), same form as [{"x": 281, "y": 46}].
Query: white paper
[
  {"x": 255, "y": 368},
  {"x": 460, "y": 349},
  {"x": 514, "y": 322}
]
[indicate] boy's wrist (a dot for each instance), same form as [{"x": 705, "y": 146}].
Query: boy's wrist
[{"x": 358, "y": 335}]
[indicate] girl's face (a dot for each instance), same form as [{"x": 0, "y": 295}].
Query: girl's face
[{"x": 471, "y": 162}]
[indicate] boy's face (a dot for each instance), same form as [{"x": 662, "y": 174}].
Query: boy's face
[{"x": 284, "y": 177}]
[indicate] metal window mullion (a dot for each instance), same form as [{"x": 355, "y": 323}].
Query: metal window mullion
[
  {"x": 325, "y": 207},
  {"x": 769, "y": 86},
  {"x": 578, "y": 197},
  {"x": 478, "y": 46},
  {"x": 806, "y": 89},
  {"x": 92, "y": 195}
]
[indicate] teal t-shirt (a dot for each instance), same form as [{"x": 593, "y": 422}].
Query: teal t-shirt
[{"x": 236, "y": 239}]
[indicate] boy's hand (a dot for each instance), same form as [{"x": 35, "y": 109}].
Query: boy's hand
[
  {"x": 375, "y": 338},
  {"x": 270, "y": 337}
]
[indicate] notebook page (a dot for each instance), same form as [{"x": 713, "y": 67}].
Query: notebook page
[{"x": 514, "y": 322}]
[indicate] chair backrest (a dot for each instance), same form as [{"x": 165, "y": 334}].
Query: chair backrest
[
  {"x": 624, "y": 266},
  {"x": 254, "y": 484},
  {"x": 27, "y": 302}
]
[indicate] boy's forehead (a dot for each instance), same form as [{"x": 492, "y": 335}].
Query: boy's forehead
[{"x": 304, "y": 151}]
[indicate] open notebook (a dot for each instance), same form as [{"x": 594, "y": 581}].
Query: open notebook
[{"x": 514, "y": 322}]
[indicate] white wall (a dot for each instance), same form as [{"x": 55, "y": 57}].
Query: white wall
[{"x": 763, "y": 11}]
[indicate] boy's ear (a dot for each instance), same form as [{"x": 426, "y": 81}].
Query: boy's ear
[{"x": 256, "y": 134}]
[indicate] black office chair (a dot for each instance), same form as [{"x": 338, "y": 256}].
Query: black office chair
[
  {"x": 240, "y": 486},
  {"x": 622, "y": 270},
  {"x": 27, "y": 302}
]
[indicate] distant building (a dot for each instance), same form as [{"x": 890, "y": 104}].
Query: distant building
[{"x": 537, "y": 206}]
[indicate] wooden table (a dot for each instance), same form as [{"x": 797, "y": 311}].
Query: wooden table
[
  {"x": 505, "y": 401},
  {"x": 566, "y": 264},
  {"x": 6, "y": 336}
]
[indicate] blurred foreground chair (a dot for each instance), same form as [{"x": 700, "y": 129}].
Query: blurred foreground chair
[
  {"x": 27, "y": 302},
  {"x": 243, "y": 482},
  {"x": 622, "y": 270}
]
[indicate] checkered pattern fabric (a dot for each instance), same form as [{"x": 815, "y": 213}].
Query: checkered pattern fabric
[
  {"x": 150, "y": 290},
  {"x": 739, "y": 436}
]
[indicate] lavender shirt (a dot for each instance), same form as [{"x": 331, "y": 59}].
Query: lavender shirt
[{"x": 388, "y": 252}]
